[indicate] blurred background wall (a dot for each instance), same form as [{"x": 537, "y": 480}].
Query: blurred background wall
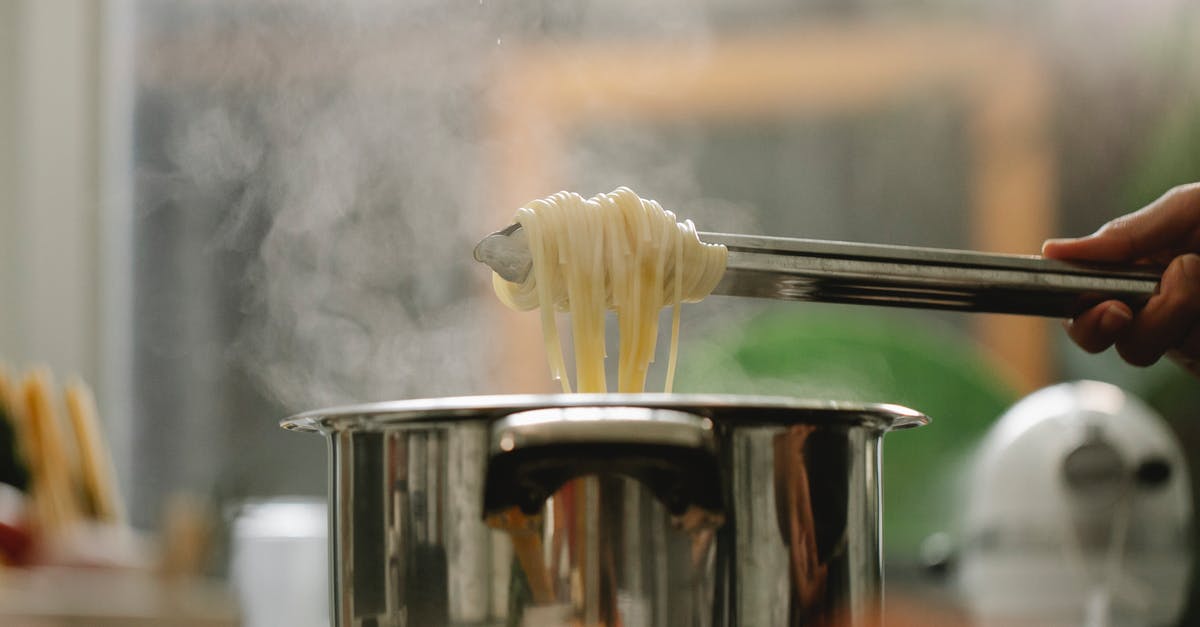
[
  {"x": 51, "y": 172},
  {"x": 63, "y": 198}
]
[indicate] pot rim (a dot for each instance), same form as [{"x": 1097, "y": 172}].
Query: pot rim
[{"x": 721, "y": 408}]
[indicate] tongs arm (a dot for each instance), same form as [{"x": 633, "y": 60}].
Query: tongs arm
[{"x": 928, "y": 278}]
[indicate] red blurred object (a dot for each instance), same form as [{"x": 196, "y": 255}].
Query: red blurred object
[{"x": 16, "y": 544}]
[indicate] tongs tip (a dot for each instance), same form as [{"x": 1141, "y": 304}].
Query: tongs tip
[{"x": 506, "y": 252}]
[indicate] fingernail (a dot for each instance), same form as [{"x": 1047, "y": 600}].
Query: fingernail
[
  {"x": 1114, "y": 319},
  {"x": 1054, "y": 242}
]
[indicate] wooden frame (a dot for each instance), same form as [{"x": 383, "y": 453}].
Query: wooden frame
[{"x": 540, "y": 94}]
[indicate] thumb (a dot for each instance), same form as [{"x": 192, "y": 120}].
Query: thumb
[
  {"x": 1157, "y": 228},
  {"x": 1103, "y": 245}
]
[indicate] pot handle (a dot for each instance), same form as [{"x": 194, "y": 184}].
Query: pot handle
[{"x": 533, "y": 453}]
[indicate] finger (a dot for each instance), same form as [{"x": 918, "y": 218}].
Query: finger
[
  {"x": 1162, "y": 225},
  {"x": 1168, "y": 316},
  {"x": 1099, "y": 327}
]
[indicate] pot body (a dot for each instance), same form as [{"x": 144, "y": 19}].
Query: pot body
[{"x": 631, "y": 510}]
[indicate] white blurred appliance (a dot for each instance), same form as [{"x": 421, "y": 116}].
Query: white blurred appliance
[{"x": 1078, "y": 512}]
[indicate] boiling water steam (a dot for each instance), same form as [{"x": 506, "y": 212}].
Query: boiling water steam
[{"x": 350, "y": 143}]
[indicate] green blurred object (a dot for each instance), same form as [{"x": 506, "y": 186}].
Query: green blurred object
[
  {"x": 855, "y": 354},
  {"x": 1171, "y": 157}
]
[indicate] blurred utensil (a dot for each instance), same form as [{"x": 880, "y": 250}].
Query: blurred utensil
[
  {"x": 54, "y": 499},
  {"x": 102, "y": 501}
]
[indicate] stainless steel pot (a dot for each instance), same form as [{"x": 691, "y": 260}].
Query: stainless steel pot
[{"x": 631, "y": 510}]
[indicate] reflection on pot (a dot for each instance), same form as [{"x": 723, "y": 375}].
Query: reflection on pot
[{"x": 793, "y": 507}]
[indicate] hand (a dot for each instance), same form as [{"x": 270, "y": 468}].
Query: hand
[{"x": 1164, "y": 233}]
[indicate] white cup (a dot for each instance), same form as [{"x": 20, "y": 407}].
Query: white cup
[{"x": 279, "y": 563}]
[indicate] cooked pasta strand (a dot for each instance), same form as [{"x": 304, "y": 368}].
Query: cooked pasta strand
[{"x": 618, "y": 252}]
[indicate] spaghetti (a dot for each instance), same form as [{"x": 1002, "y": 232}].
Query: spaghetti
[{"x": 612, "y": 251}]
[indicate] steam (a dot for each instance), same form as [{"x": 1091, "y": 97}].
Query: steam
[{"x": 350, "y": 142}]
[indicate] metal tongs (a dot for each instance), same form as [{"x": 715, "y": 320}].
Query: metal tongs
[{"x": 894, "y": 276}]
